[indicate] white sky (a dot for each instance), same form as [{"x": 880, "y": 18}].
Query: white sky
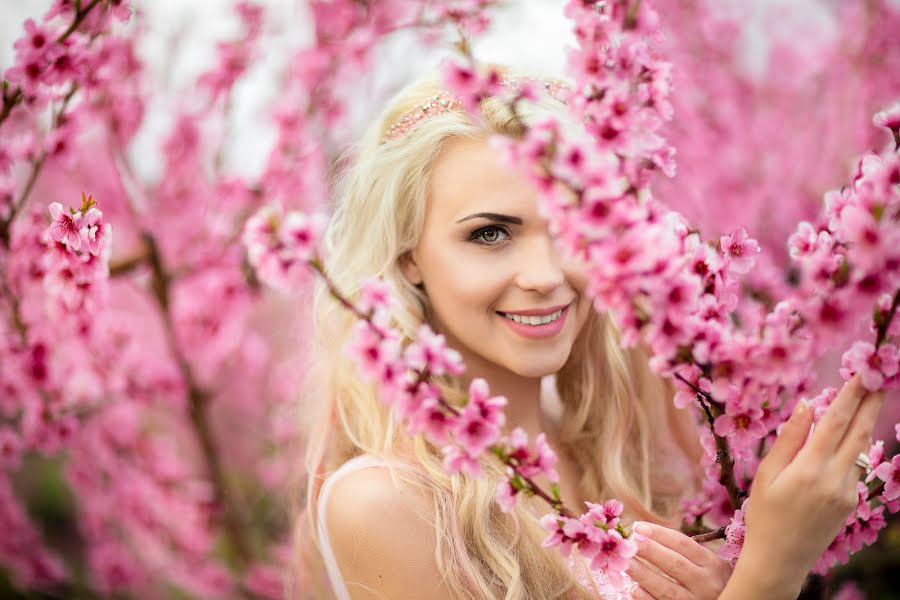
[{"x": 181, "y": 36}]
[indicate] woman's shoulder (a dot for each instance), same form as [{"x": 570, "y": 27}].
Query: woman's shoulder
[
  {"x": 367, "y": 485},
  {"x": 382, "y": 533}
]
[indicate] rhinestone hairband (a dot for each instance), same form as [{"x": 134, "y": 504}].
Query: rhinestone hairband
[{"x": 444, "y": 101}]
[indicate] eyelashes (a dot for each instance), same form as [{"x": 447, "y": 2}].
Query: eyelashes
[{"x": 489, "y": 235}]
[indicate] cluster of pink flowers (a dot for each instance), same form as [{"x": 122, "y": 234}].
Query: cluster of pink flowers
[
  {"x": 669, "y": 288},
  {"x": 52, "y": 53},
  {"x": 77, "y": 261},
  {"x": 279, "y": 245}
]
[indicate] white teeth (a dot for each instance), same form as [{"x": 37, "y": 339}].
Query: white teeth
[{"x": 534, "y": 320}]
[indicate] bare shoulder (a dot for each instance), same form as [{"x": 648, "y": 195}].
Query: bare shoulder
[{"x": 383, "y": 538}]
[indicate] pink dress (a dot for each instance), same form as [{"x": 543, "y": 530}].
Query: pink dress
[{"x": 576, "y": 563}]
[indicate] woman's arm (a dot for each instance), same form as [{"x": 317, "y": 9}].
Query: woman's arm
[{"x": 803, "y": 491}]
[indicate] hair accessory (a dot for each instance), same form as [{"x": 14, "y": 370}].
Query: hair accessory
[
  {"x": 439, "y": 103},
  {"x": 444, "y": 101}
]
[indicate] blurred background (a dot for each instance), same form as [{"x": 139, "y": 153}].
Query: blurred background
[{"x": 157, "y": 433}]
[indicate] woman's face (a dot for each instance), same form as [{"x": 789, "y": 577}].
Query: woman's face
[{"x": 485, "y": 258}]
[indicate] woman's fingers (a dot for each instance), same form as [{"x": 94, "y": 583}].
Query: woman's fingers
[
  {"x": 834, "y": 423},
  {"x": 669, "y": 561},
  {"x": 788, "y": 443},
  {"x": 677, "y": 541},
  {"x": 640, "y": 593},
  {"x": 859, "y": 434},
  {"x": 655, "y": 584}
]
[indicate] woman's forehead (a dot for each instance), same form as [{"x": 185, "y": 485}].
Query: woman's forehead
[{"x": 470, "y": 176}]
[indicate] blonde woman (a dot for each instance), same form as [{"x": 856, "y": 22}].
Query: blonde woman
[{"x": 431, "y": 208}]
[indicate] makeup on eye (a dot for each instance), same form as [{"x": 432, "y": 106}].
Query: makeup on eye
[{"x": 475, "y": 236}]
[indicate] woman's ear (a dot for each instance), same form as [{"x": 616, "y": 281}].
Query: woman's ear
[{"x": 410, "y": 269}]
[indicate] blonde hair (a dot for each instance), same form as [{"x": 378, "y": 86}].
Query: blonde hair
[{"x": 614, "y": 408}]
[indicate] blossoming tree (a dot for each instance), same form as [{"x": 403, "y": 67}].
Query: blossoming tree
[{"x": 122, "y": 383}]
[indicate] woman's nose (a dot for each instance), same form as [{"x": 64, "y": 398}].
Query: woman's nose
[{"x": 541, "y": 269}]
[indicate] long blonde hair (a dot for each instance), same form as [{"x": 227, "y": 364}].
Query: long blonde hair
[{"x": 614, "y": 409}]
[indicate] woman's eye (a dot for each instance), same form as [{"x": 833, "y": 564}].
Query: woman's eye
[{"x": 489, "y": 235}]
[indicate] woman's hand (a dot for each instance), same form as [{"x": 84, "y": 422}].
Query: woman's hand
[
  {"x": 802, "y": 493},
  {"x": 686, "y": 570}
]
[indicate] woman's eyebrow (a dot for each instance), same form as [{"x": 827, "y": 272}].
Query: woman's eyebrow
[{"x": 494, "y": 217}]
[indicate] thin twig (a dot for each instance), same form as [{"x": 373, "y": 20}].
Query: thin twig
[
  {"x": 704, "y": 538},
  {"x": 36, "y": 167},
  {"x": 199, "y": 405}
]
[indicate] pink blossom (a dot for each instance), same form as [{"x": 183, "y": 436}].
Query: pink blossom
[
  {"x": 470, "y": 85},
  {"x": 889, "y": 117},
  {"x": 300, "y": 234},
  {"x": 97, "y": 234},
  {"x": 374, "y": 294},
  {"x": 859, "y": 228},
  {"x": 371, "y": 351},
  {"x": 741, "y": 424},
  {"x": 37, "y": 39},
  {"x": 873, "y": 366},
  {"x": 564, "y": 532},
  {"x": 429, "y": 351},
  {"x": 804, "y": 240},
  {"x": 545, "y": 459},
  {"x": 505, "y": 496},
  {"x": 603, "y": 515},
  {"x": 531, "y": 462},
  {"x": 478, "y": 425},
  {"x": 734, "y": 536},
  {"x": 608, "y": 550},
  {"x": 114, "y": 569},
  {"x": 66, "y": 228},
  {"x": 28, "y": 73},
  {"x": 740, "y": 249},
  {"x": 430, "y": 418},
  {"x": 456, "y": 460},
  {"x": 889, "y": 473}
]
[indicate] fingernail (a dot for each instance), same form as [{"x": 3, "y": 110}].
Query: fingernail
[{"x": 641, "y": 528}]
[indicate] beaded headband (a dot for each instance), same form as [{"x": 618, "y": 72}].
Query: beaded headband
[{"x": 444, "y": 102}]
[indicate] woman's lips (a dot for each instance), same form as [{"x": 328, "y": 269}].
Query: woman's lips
[{"x": 539, "y": 331}]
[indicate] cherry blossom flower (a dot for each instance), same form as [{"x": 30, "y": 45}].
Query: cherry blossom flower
[
  {"x": 889, "y": 473},
  {"x": 740, "y": 249},
  {"x": 608, "y": 550},
  {"x": 565, "y": 532},
  {"x": 96, "y": 233},
  {"x": 734, "y": 536},
  {"x": 505, "y": 496},
  {"x": 889, "y": 117},
  {"x": 478, "y": 424},
  {"x": 457, "y": 460},
  {"x": 66, "y": 228},
  {"x": 874, "y": 366},
  {"x": 740, "y": 423},
  {"x": 430, "y": 351}
]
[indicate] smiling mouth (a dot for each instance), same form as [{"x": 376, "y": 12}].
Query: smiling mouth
[{"x": 534, "y": 319}]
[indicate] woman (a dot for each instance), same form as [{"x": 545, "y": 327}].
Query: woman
[{"x": 429, "y": 206}]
